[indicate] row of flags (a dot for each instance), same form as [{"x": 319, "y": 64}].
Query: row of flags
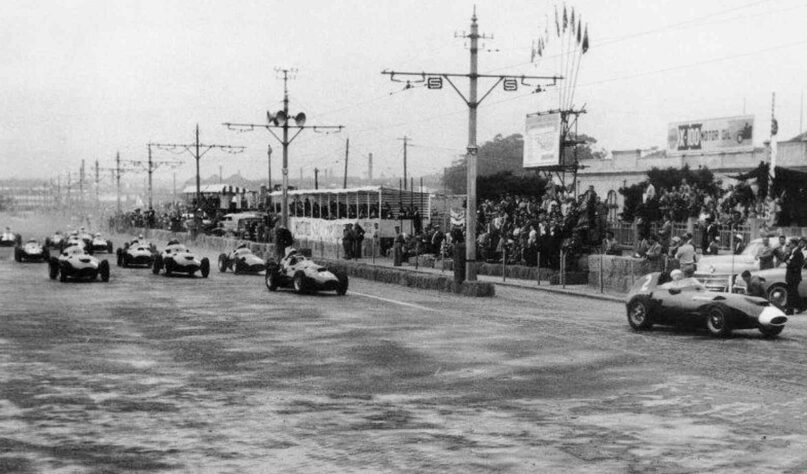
[{"x": 567, "y": 24}]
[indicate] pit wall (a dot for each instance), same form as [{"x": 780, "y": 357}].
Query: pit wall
[{"x": 328, "y": 254}]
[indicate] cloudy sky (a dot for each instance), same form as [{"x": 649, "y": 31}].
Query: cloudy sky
[{"x": 84, "y": 79}]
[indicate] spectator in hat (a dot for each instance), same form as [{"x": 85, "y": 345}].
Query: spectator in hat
[
  {"x": 675, "y": 242},
  {"x": 795, "y": 264}
]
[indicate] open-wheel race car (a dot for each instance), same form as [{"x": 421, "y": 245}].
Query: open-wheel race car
[
  {"x": 100, "y": 245},
  {"x": 176, "y": 258},
  {"x": 31, "y": 251},
  {"x": 686, "y": 302},
  {"x": 76, "y": 264},
  {"x": 303, "y": 275},
  {"x": 241, "y": 260},
  {"x": 136, "y": 253},
  {"x": 55, "y": 240},
  {"x": 10, "y": 239}
]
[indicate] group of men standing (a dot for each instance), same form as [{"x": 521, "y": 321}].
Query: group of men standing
[
  {"x": 791, "y": 254},
  {"x": 352, "y": 238}
]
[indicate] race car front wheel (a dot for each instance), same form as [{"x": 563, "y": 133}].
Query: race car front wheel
[
  {"x": 205, "y": 267},
  {"x": 771, "y": 331},
  {"x": 777, "y": 295},
  {"x": 53, "y": 269},
  {"x": 158, "y": 264},
  {"x": 222, "y": 263},
  {"x": 639, "y": 315},
  {"x": 271, "y": 279},
  {"x": 103, "y": 270},
  {"x": 717, "y": 322},
  {"x": 299, "y": 282}
]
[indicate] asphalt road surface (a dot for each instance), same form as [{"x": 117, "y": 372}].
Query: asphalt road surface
[{"x": 153, "y": 373}]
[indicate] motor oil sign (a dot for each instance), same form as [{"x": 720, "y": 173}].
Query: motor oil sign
[{"x": 719, "y": 135}]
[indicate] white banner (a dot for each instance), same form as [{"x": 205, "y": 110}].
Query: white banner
[
  {"x": 542, "y": 141},
  {"x": 719, "y": 135}
]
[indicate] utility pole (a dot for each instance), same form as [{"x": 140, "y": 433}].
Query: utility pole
[
  {"x": 316, "y": 178},
  {"x": 370, "y": 168},
  {"x": 197, "y": 150},
  {"x": 347, "y": 153},
  {"x": 150, "y": 166},
  {"x": 405, "y": 146},
  {"x": 117, "y": 178},
  {"x": 97, "y": 184},
  {"x": 281, "y": 120},
  {"x": 434, "y": 80},
  {"x": 81, "y": 188},
  {"x": 269, "y": 168}
]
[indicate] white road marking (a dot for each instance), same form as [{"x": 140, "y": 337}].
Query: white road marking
[{"x": 402, "y": 303}]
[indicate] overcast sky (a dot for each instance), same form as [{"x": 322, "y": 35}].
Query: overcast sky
[{"x": 84, "y": 79}]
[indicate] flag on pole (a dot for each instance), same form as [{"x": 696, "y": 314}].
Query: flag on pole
[
  {"x": 579, "y": 32},
  {"x": 565, "y": 19},
  {"x": 585, "y": 40},
  {"x": 557, "y": 23}
]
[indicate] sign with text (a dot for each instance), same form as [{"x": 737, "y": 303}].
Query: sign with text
[
  {"x": 718, "y": 135},
  {"x": 542, "y": 141}
]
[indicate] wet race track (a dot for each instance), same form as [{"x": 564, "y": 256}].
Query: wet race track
[{"x": 152, "y": 373}]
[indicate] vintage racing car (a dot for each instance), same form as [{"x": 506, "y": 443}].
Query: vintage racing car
[
  {"x": 241, "y": 260},
  {"x": 176, "y": 258},
  {"x": 303, "y": 275},
  {"x": 75, "y": 263},
  {"x": 9, "y": 239},
  {"x": 138, "y": 252},
  {"x": 31, "y": 251},
  {"x": 98, "y": 244},
  {"x": 687, "y": 302},
  {"x": 55, "y": 241}
]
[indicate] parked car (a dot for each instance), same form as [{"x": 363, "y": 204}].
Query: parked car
[
  {"x": 717, "y": 272},
  {"x": 687, "y": 302},
  {"x": 303, "y": 275},
  {"x": 31, "y": 251},
  {"x": 773, "y": 281},
  {"x": 241, "y": 260},
  {"x": 75, "y": 263},
  {"x": 176, "y": 258}
]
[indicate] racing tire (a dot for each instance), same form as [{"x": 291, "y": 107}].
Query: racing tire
[
  {"x": 169, "y": 267},
  {"x": 17, "y": 254},
  {"x": 271, "y": 280},
  {"x": 109, "y": 246},
  {"x": 341, "y": 288},
  {"x": 639, "y": 315},
  {"x": 119, "y": 254},
  {"x": 48, "y": 243},
  {"x": 103, "y": 270},
  {"x": 125, "y": 260},
  {"x": 222, "y": 263},
  {"x": 158, "y": 264},
  {"x": 62, "y": 273},
  {"x": 205, "y": 267},
  {"x": 777, "y": 295},
  {"x": 771, "y": 331},
  {"x": 299, "y": 283},
  {"x": 236, "y": 267},
  {"x": 717, "y": 321},
  {"x": 46, "y": 254},
  {"x": 53, "y": 268}
]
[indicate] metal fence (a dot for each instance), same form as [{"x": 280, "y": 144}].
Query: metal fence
[{"x": 626, "y": 233}]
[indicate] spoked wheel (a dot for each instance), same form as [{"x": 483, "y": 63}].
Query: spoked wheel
[
  {"x": 777, "y": 295},
  {"x": 717, "y": 322},
  {"x": 299, "y": 282},
  {"x": 271, "y": 279},
  {"x": 639, "y": 316},
  {"x": 222, "y": 263}
]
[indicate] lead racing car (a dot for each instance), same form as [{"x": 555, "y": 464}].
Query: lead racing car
[
  {"x": 303, "y": 275},
  {"x": 32, "y": 251},
  {"x": 75, "y": 263},
  {"x": 687, "y": 302},
  {"x": 241, "y": 260},
  {"x": 176, "y": 258}
]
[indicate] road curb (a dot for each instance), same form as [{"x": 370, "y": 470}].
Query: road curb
[{"x": 562, "y": 291}]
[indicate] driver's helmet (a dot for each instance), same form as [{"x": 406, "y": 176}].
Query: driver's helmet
[
  {"x": 676, "y": 275},
  {"x": 290, "y": 251},
  {"x": 98, "y": 234},
  {"x": 242, "y": 246},
  {"x": 140, "y": 237},
  {"x": 173, "y": 242}
]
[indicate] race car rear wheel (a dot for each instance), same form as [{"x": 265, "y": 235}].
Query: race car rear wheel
[
  {"x": 299, "y": 283},
  {"x": 717, "y": 321},
  {"x": 639, "y": 315},
  {"x": 341, "y": 289},
  {"x": 222, "y": 263},
  {"x": 103, "y": 270},
  {"x": 17, "y": 254},
  {"x": 169, "y": 266},
  {"x": 125, "y": 259},
  {"x": 120, "y": 257},
  {"x": 771, "y": 331},
  {"x": 777, "y": 295},
  {"x": 63, "y": 272},
  {"x": 109, "y": 246},
  {"x": 271, "y": 278},
  {"x": 53, "y": 268},
  {"x": 158, "y": 264},
  {"x": 205, "y": 267}
]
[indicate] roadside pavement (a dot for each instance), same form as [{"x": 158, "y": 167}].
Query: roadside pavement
[{"x": 583, "y": 291}]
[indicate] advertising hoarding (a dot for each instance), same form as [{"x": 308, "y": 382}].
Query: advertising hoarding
[
  {"x": 542, "y": 140},
  {"x": 717, "y": 135}
]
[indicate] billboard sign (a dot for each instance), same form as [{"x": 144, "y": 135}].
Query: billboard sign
[
  {"x": 718, "y": 135},
  {"x": 542, "y": 140}
]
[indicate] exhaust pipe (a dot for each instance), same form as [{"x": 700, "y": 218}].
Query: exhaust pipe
[{"x": 772, "y": 316}]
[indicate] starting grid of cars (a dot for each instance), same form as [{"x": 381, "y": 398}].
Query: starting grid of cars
[{"x": 75, "y": 257}]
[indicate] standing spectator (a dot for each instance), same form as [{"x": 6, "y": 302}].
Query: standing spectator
[
  {"x": 348, "y": 240},
  {"x": 781, "y": 252},
  {"x": 665, "y": 232},
  {"x": 283, "y": 239},
  {"x": 675, "y": 243},
  {"x": 654, "y": 250},
  {"x": 358, "y": 231},
  {"x": 714, "y": 246},
  {"x": 417, "y": 223},
  {"x": 739, "y": 244},
  {"x": 437, "y": 240},
  {"x": 641, "y": 248},
  {"x": 609, "y": 245},
  {"x": 710, "y": 233},
  {"x": 795, "y": 264},
  {"x": 686, "y": 256},
  {"x": 765, "y": 255}
]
